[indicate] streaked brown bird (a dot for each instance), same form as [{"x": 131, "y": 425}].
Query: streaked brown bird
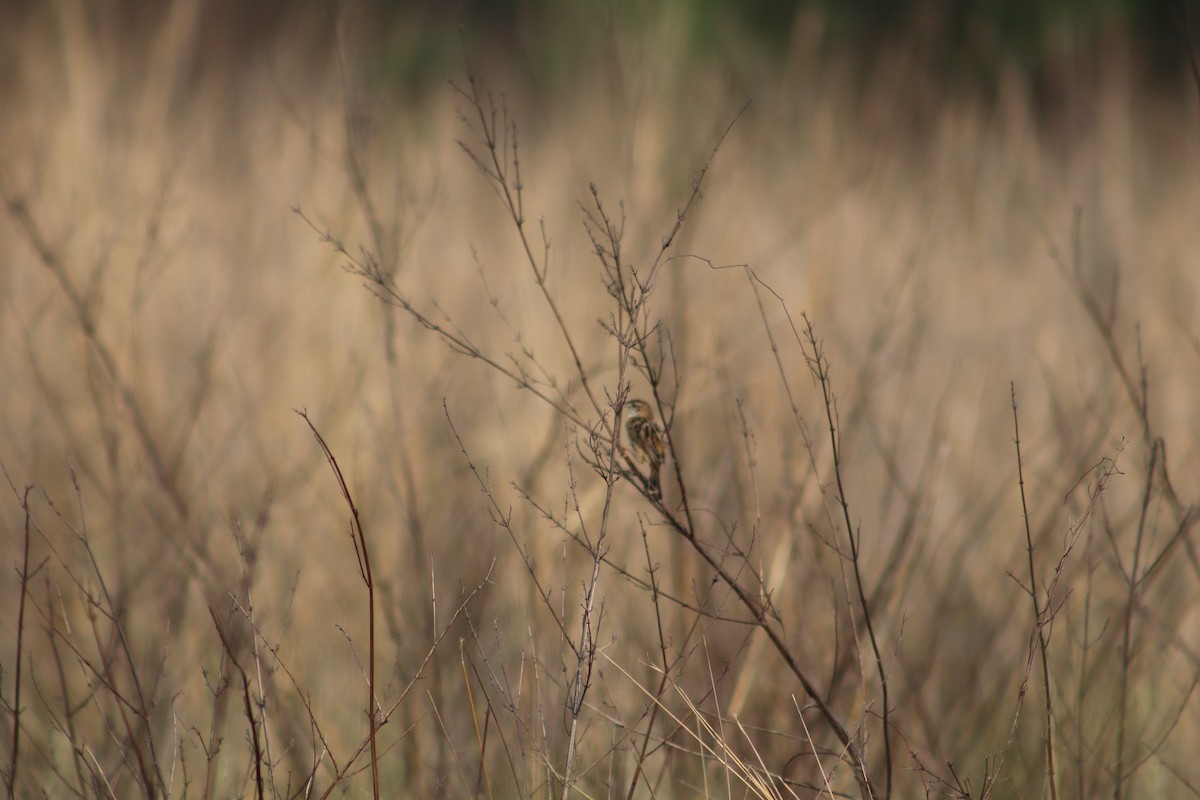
[{"x": 645, "y": 437}]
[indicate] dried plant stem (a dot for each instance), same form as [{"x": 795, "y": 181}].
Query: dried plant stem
[
  {"x": 11, "y": 778},
  {"x": 1104, "y": 472},
  {"x": 1133, "y": 580},
  {"x": 247, "y": 706},
  {"x": 1040, "y": 615},
  {"x": 140, "y": 705},
  {"x": 761, "y": 616},
  {"x": 820, "y": 369},
  {"x": 500, "y": 141},
  {"x": 1137, "y": 389},
  {"x": 359, "y": 538},
  {"x": 660, "y": 690}
]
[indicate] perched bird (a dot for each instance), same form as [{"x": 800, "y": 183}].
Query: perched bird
[{"x": 645, "y": 437}]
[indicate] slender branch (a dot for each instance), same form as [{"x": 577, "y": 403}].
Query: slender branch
[
  {"x": 24, "y": 584},
  {"x": 1040, "y": 615},
  {"x": 359, "y": 537},
  {"x": 819, "y": 366},
  {"x": 247, "y": 704}
]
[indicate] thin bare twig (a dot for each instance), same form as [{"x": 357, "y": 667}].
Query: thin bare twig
[
  {"x": 818, "y": 364},
  {"x": 359, "y": 537},
  {"x": 11, "y": 778},
  {"x": 1041, "y": 618}
]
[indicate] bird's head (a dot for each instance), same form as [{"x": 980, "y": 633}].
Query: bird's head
[{"x": 639, "y": 408}]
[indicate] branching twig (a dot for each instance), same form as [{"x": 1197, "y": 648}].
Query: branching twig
[
  {"x": 819, "y": 366},
  {"x": 1041, "y": 617}
]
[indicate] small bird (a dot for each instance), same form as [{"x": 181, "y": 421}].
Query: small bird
[{"x": 645, "y": 437}]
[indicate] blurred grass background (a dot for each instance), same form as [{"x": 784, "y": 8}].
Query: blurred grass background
[{"x": 905, "y": 173}]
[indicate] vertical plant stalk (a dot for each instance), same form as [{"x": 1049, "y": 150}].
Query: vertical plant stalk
[
  {"x": 359, "y": 537},
  {"x": 220, "y": 706},
  {"x": 147, "y": 757},
  {"x": 69, "y": 719},
  {"x": 1138, "y": 392},
  {"x": 1105, "y": 471},
  {"x": 16, "y": 734},
  {"x": 247, "y": 706},
  {"x": 586, "y": 649},
  {"x": 820, "y": 369},
  {"x": 1041, "y": 616},
  {"x": 1133, "y": 581},
  {"x": 668, "y": 667},
  {"x": 810, "y": 343}
]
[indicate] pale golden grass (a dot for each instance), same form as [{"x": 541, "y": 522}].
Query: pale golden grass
[{"x": 922, "y": 256}]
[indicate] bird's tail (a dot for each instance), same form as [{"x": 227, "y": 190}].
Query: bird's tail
[{"x": 654, "y": 484}]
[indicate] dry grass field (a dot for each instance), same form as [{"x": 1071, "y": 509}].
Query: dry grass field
[{"x": 842, "y": 298}]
